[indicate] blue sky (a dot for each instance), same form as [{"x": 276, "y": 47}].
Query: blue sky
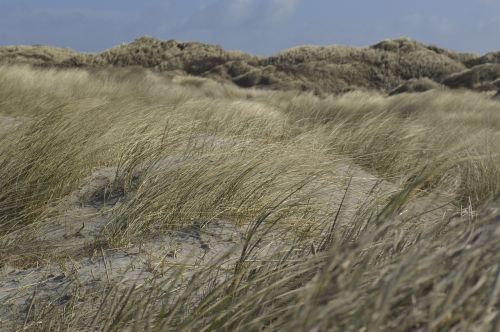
[{"x": 257, "y": 26}]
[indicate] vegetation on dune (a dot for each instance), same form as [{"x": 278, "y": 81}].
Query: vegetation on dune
[
  {"x": 323, "y": 70},
  {"x": 377, "y": 277},
  {"x": 416, "y": 85},
  {"x": 35, "y": 55},
  {"x": 403, "y": 133},
  {"x": 491, "y": 57},
  {"x": 194, "y": 58},
  {"x": 481, "y": 77},
  {"x": 382, "y": 66},
  {"x": 183, "y": 153}
]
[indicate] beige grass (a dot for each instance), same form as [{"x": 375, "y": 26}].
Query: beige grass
[
  {"x": 322, "y": 70},
  {"x": 188, "y": 152}
]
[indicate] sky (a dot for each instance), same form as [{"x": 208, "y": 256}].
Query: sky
[{"x": 257, "y": 26}]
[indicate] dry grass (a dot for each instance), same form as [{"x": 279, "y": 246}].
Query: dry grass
[
  {"x": 188, "y": 152},
  {"x": 416, "y": 85},
  {"x": 480, "y": 77},
  {"x": 396, "y": 136},
  {"x": 322, "y": 70},
  {"x": 381, "y": 67},
  {"x": 35, "y": 55}
]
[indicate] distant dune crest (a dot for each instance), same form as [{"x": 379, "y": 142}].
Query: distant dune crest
[{"x": 390, "y": 65}]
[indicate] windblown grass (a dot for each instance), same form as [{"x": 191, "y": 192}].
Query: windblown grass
[
  {"x": 187, "y": 151},
  {"x": 455, "y": 133}
]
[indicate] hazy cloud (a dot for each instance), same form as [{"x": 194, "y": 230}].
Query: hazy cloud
[
  {"x": 280, "y": 10},
  {"x": 258, "y": 26},
  {"x": 241, "y": 13},
  {"x": 436, "y": 24},
  {"x": 490, "y": 3},
  {"x": 90, "y": 29},
  {"x": 237, "y": 10}
]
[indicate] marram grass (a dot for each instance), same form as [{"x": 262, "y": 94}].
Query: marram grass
[{"x": 185, "y": 153}]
